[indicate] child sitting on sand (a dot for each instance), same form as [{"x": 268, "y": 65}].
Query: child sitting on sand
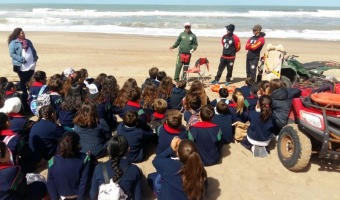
[
  {"x": 136, "y": 137},
  {"x": 246, "y": 88},
  {"x": 172, "y": 128},
  {"x": 152, "y": 78},
  {"x": 224, "y": 120},
  {"x": 193, "y": 106},
  {"x": 133, "y": 105},
  {"x": 158, "y": 116},
  {"x": 122, "y": 97},
  {"x": 223, "y": 93},
  {"x": 165, "y": 88},
  {"x": 160, "y": 76},
  {"x": 150, "y": 93},
  {"x": 207, "y": 137},
  {"x": 239, "y": 107},
  {"x": 261, "y": 126},
  {"x": 39, "y": 81},
  {"x": 180, "y": 177},
  {"x": 177, "y": 94}
]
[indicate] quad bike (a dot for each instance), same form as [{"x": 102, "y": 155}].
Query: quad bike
[
  {"x": 314, "y": 125},
  {"x": 275, "y": 64}
]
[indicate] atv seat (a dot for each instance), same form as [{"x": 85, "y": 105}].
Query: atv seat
[{"x": 326, "y": 99}]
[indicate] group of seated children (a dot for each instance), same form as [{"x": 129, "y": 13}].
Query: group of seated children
[{"x": 77, "y": 125}]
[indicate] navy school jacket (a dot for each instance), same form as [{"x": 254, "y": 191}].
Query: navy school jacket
[
  {"x": 214, "y": 102},
  {"x": 136, "y": 137},
  {"x": 44, "y": 138},
  {"x": 237, "y": 116},
  {"x": 18, "y": 122},
  {"x": 12, "y": 141},
  {"x": 69, "y": 176},
  {"x": 176, "y": 97},
  {"x": 207, "y": 137},
  {"x": 34, "y": 90},
  {"x": 258, "y": 130},
  {"x": 168, "y": 168},
  {"x": 94, "y": 139},
  {"x": 134, "y": 106},
  {"x": 166, "y": 134},
  {"x": 225, "y": 124},
  {"x": 11, "y": 182},
  {"x": 130, "y": 182}
]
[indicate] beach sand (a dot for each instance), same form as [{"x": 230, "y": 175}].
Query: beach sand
[{"x": 239, "y": 175}]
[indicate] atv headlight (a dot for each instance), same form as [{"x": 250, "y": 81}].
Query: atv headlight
[{"x": 312, "y": 119}]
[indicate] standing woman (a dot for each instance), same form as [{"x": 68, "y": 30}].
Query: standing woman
[{"x": 24, "y": 57}]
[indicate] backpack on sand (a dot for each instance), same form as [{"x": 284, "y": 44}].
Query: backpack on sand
[{"x": 111, "y": 190}]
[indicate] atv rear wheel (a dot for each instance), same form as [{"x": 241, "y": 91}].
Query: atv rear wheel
[{"x": 294, "y": 148}]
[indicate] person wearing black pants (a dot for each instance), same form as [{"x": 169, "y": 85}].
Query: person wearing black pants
[
  {"x": 24, "y": 57},
  {"x": 231, "y": 44},
  {"x": 254, "y": 46}
]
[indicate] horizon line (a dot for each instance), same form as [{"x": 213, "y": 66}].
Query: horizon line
[{"x": 173, "y": 4}]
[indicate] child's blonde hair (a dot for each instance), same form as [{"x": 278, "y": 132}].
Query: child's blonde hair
[{"x": 239, "y": 100}]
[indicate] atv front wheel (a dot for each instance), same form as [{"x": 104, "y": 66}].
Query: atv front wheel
[{"x": 294, "y": 148}]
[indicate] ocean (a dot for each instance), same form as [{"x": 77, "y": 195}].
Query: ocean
[{"x": 311, "y": 23}]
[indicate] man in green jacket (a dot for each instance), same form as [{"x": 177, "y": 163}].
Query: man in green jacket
[{"x": 187, "y": 43}]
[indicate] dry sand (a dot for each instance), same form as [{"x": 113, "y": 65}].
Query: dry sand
[{"x": 239, "y": 175}]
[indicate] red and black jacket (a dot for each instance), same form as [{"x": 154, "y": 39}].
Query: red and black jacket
[
  {"x": 231, "y": 45},
  {"x": 254, "y": 46}
]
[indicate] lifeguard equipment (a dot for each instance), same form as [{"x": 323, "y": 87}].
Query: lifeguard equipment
[
  {"x": 326, "y": 99},
  {"x": 217, "y": 87}
]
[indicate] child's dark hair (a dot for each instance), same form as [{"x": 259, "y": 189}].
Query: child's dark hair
[
  {"x": 101, "y": 77},
  {"x": 150, "y": 93},
  {"x": 110, "y": 89},
  {"x": 117, "y": 148},
  {"x": 130, "y": 118},
  {"x": 39, "y": 76},
  {"x": 160, "y": 75},
  {"x": 3, "y": 121},
  {"x": 222, "y": 108},
  {"x": 122, "y": 97},
  {"x": 181, "y": 84},
  {"x": 55, "y": 84},
  {"x": 47, "y": 112},
  {"x": 264, "y": 85},
  {"x": 275, "y": 84},
  {"x": 153, "y": 72},
  {"x": 250, "y": 81},
  {"x": 223, "y": 92},
  {"x": 9, "y": 86},
  {"x": 265, "y": 104},
  {"x": 135, "y": 94},
  {"x": 165, "y": 87},
  {"x": 69, "y": 145},
  {"x": 192, "y": 172},
  {"x": 84, "y": 73},
  {"x": 73, "y": 101},
  {"x": 3, "y": 149},
  {"x": 174, "y": 119},
  {"x": 160, "y": 106},
  {"x": 194, "y": 101},
  {"x": 254, "y": 89},
  {"x": 87, "y": 115},
  {"x": 207, "y": 113},
  {"x": 3, "y": 81}
]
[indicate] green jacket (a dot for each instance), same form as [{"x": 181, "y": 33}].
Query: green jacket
[{"x": 186, "y": 42}]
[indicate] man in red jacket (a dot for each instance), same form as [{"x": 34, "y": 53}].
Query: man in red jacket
[
  {"x": 231, "y": 44},
  {"x": 254, "y": 47}
]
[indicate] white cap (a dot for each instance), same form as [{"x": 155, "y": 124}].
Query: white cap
[
  {"x": 69, "y": 72},
  {"x": 187, "y": 24},
  {"x": 12, "y": 105},
  {"x": 93, "y": 89}
]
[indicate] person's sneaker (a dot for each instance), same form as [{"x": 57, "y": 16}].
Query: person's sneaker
[
  {"x": 214, "y": 82},
  {"x": 226, "y": 83}
]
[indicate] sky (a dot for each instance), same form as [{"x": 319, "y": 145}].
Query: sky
[{"x": 190, "y": 2}]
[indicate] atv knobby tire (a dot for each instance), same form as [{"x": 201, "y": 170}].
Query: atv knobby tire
[{"x": 294, "y": 148}]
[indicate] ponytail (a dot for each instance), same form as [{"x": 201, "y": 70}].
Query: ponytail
[
  {"x": 265, "y": 105},
  {"x": 117, "y": 170},
  {"x": 239, "y": 100},
  {"x": 192, "y": 172}
]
